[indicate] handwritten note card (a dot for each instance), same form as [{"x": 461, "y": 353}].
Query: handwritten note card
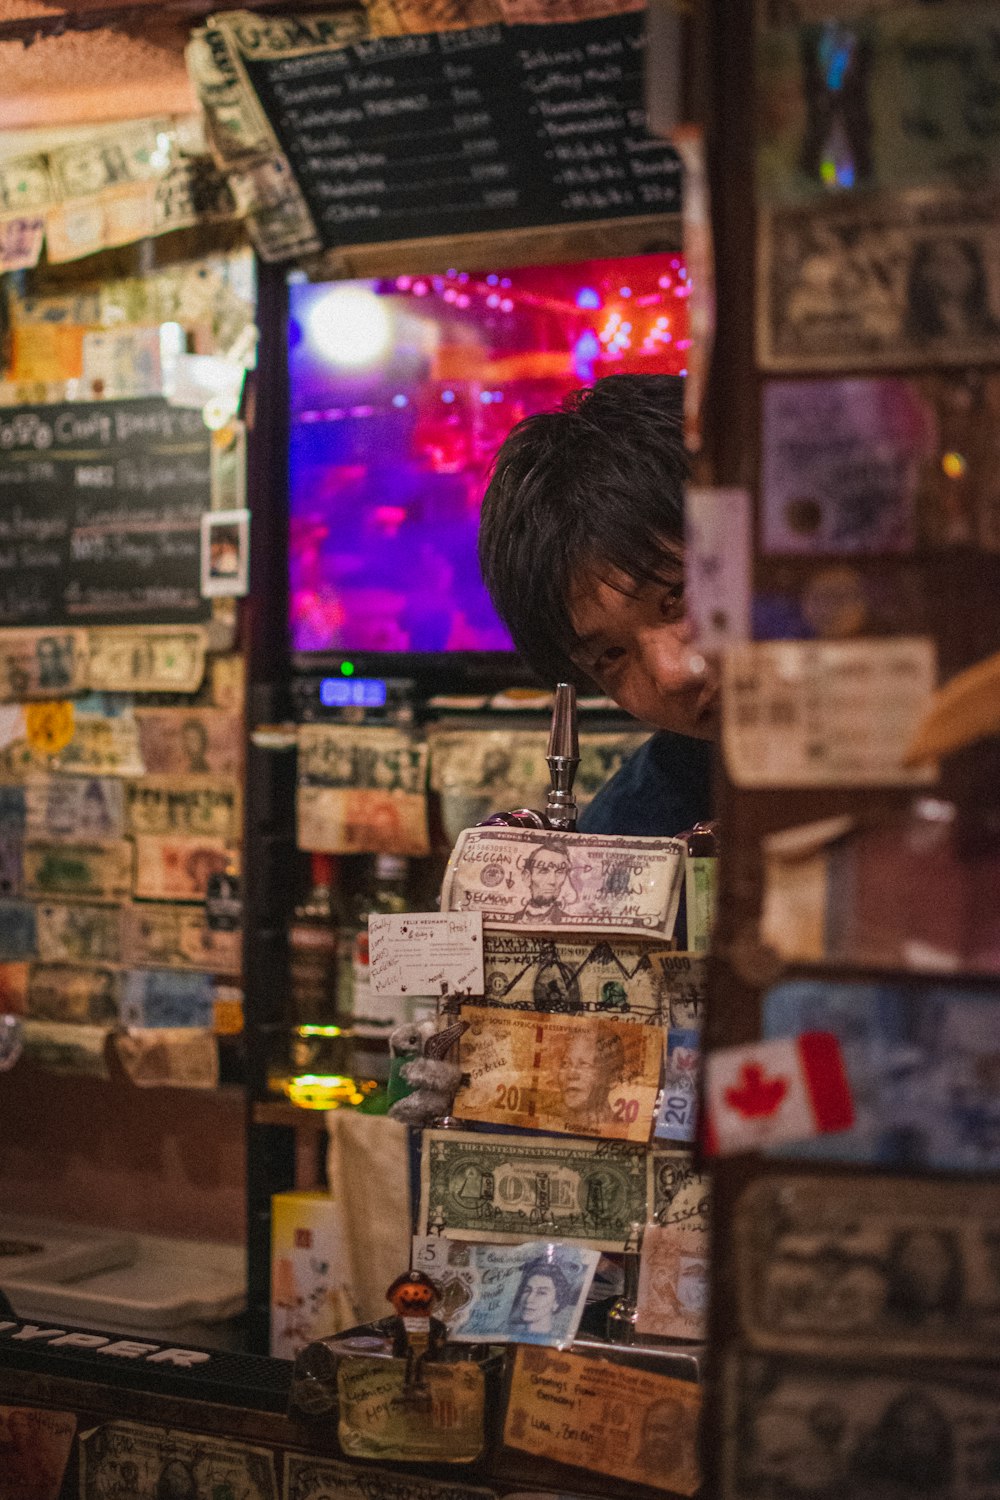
[{"x": 426, "y": 953}]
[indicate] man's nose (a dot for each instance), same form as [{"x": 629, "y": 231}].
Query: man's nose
[{"x": 672, "y": 661}]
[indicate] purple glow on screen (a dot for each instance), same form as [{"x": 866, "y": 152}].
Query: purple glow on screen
[{"x": 402, "y": 390}]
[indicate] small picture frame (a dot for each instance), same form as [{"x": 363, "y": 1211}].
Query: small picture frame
[{"x": 225, "y": 554}]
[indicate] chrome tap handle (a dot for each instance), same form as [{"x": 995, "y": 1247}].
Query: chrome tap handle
[{"x": 563, "y": 757}]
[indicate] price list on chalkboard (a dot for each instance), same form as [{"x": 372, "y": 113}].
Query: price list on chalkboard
[
  {"x": 495, "y": 127},
  {"x": 100, "y": 510}
]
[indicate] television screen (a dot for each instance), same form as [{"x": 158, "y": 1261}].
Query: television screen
[{"x": 401, "y": 391}]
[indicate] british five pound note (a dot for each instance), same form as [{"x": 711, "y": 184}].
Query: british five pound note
[
  {"x": 546, "y": 881},
  {"x": 582, "y": 1075}
]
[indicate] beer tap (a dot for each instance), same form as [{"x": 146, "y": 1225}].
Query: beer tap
[{"x": 563, "y": 757}]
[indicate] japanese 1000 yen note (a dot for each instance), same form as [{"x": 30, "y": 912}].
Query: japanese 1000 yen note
[
  {"x": 79, "y": 932},
  {"x": 147, "y": 659},
  {"x": 148, "y": 1463},
  {"x": 179, "y": 869},
  {"x": 856, "y": 1266},
  {"x": 800, "y": 1429},
  {"x": 612, "y": 1419},
  {"x": 618, "y": 976},
  {"x": 161, "y": 805},
  {"x": 542, "y": 881},
  {"x": 311, "y": 1478},
  {"x": 507, "y": 1188},
  {"x": 582, "y": 1075},
  {"x": 42, "y": 664},
  {"x": 163, "y": 935},
  {"x": 95, "y": 870},
  {"x": 74, "y": 807}
]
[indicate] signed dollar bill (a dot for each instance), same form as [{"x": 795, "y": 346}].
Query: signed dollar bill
[
  {"x": 165, "y": 1057},
  {"x": 149, "y": 1463},
  {"x": 504, "y": 1188},
  {"x": 147, "y": 659},
  {"x": 310, "y": 1478},
  {"x": 508, "y": 1294},
  {"x": 679, "y": 1195},
  {"x": 856, "y": 1266},
  {"x": 74, "y": 807},
  {"x": 539, "y": 880},
  {"x": 609, "y": 1418},
  {"x": 79, "y": 932},
  {"x": 190, "y": 741},
  {"x": 42, "y": 663},
  {"x": 18, "y": 930},
  {"x": 66, "y": 1047},
  {"x": 164, "y": 936},
  {"x": 60, "y": 992},
  {"x": 100, "y": 746},
  {"x": 85, "y": 870},
  {"x": 179, "y": 869},
  {"x": 802, "y": 1429},
  {"x": 337, "y": 820},
  {"x": 683, "y": 981},
  {"x": 160, "y": 806},
  {"x": 377, "y": 1421},
  {"x": 617, "y": 976},
  {"x": 673, "y": 1282},
  {"x": 582, "y": 1075}
]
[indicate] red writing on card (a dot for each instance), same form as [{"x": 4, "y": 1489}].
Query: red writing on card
[{"x": 756, "y": 1095}]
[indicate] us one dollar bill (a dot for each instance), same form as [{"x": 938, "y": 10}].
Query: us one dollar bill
[
  {"x": 856, "y": 1266},
  {"x": 160, "y": 806},
  {"x": 672, "y": 1301},
  {"x": 147, "y": 658},
  {"x": 60, "y": 992},
  {"x": 609, "y": 1418},
  {"x": 85, "y": 870},
  {"x": 189, "y": 741},
  {"x": 801, "y": 1429},
  {"x": 79, "y": 932},
  {"x": 582, "y": 1075},
  {"x": 166, "y": 936},
  {"x": 42, "y": 663},
  {"x": 310, "y": 1478},
  {"x": 378, "y": 1421},
  {"x": 179, "y": 869},
  {"x": 509, "y": 1188},
  {"x": 18, "y": 931},
  {"x": 149, "y": 1463},
  {"x": 542, "y": 881},
  {"x": 362, "y": 820},
  {"x": 169, "y": 1057},
  {"x": 575, "y": 976},
  {"x": 101, "y": 746},
  {"x": 74, "y": 807}
]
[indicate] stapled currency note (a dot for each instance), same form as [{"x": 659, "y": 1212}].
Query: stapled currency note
[
  {"x": 165, "y": 998},
  {"x": 74, "y": 807},
  {"x": 169, "y": 1057},
  {"x": 148, "y": 1463},
  {"x": 581, "y": 1075},
  {"x": 42, "y": 663},
  {"x": 60, "y": 992},
  {"x": 619, "y": 976},
  {"x": 311, "y": 1478},
  {"x": 100, "y": 745},
  {"x": 672, "y": 1301},
  {"x": 159, "y": 805},
  {"x": 859, "y": 1266},
  {"x": 190, "y": 741},
  {"x": 79, "y": 932},
  {"x": 361, "y": 789},
  {"x": 66, "y": 1047},
  {"x": 86, "y": 870},
  {"x": 504, "y": 1294},
  {"x": 504, "y": 1188},
  {"x": 147, "y": 658},
  {"x": 178, "y": 868},
  {"x": 541, "y": 880},
  {"x": 679, "y": 1193},
  {"x": 605, "y": 1417},
  {"x": 162, "y": 935}
]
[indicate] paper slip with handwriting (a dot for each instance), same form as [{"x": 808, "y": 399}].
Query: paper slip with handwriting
[{"x": 426, "y": 953}]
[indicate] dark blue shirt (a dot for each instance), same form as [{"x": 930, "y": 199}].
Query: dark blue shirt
[{"x": 664, "y": 788}]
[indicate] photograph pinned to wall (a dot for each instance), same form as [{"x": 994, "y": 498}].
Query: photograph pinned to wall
[
  {"x": 911, "y": 280},
  {"x": 225, "y": 554}
]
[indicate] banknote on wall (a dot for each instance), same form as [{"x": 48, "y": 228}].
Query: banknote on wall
[
  {"x": 190, "y": 741},
  {"x": 161, "y": 805},
  {"x": 149, "y": 1463},
  {"x": 543, "y": 881},
  {"x": 74, "y": 807},
  {"x": 179, "y": 869},
  {"x": 86, "y": 870},
  {"x": 79, "y": 932},
  {"x": 163, "y": 935},
  {"x": 611, "y": 1419},
  {"x": 101, "y": 745},
  {"x": 335, "y": 820},
  {"x": 311, "y": 1478},
  {"x": 66, "y": 1047},
  {"x": 679, "y": 1193},
  {"x": 60, "y": 992},
  {"x": 672, "y": 1301},
  {"x": 165, "y": 1057},
  {"x": 152, "y": 998},
  {"x": 147, "y": 658},
  {"x": 504, "y": 1188},
  {"x": 42, "y": 664},
  {"x": 18, "y": 931},
  {"x": 582, "y": 1075},
  {"x": 614, "y": 975}
]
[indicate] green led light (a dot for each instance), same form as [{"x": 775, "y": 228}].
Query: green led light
[{"x": 347, "y": 668}]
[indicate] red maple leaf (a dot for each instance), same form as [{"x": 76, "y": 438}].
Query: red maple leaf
[{"x": 756, "y": 1094}]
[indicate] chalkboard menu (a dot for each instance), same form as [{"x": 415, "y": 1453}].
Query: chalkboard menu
[
  {"x": 495, "y": 127},
  {"x": 100, "y": 504}
]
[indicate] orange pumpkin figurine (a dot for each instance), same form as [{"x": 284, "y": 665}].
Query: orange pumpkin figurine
[{"x": 418, "y": 1335}]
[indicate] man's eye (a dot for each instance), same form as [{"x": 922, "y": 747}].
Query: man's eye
[
  {"x": 672, "y": 601},
  {"x": 609, "y": 658}
]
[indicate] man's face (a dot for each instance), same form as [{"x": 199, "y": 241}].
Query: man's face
[
  {"x": 636, "y": 644},
  {"x": 583, "y": 1077},
  {"x": 546, "y": 876}
]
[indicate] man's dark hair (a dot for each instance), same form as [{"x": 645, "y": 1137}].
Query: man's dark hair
[{"x": 597, "y": 484}]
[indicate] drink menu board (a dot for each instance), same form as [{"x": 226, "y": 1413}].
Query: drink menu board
[
  {"x": 100, "y": 509},
  {"x": 494, "y": 127}
]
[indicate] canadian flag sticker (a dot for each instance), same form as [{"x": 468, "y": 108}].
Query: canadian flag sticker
[{"x": 770, "y": 1093}]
